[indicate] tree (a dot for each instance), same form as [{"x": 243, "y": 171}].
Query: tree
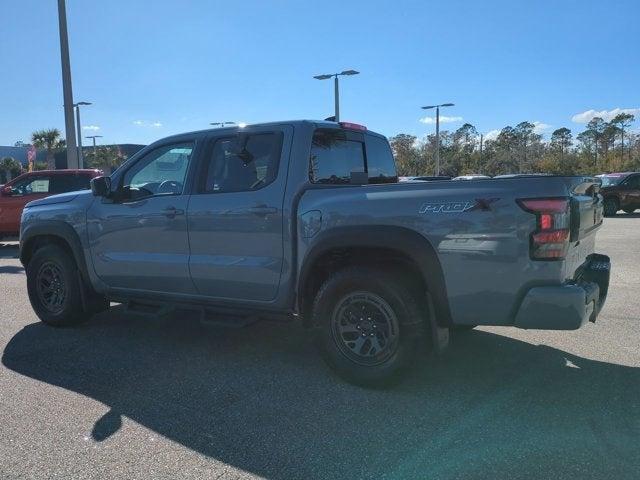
[
  {"x": 595, "y": 131},
  {"x": 406, "y": 154},
  {"x": 49, "y": 140},
  {"x": 622, "y": 121},
  {"x": 105, "y": 158},
  {"x": 561, "y": 139},
  {"x": 9, "y": 168}
]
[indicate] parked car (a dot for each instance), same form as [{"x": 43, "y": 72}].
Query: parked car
[
  {"x": 306, "y": 220},
  {"x": 15, "y": 194},
  {"x": 621, "y": 191},
  {"x": 424, "y": 178},
  {"x": 472, "y": 177}
]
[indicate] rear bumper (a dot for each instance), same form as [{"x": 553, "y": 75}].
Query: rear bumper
[{"x": 568, "y": 306}]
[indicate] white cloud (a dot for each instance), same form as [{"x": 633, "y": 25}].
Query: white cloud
[
  {"x": 443, "y": 119},
  {"x": 606, "y": 115},
  {"x": 144, "y": 123},
  {"x": 491, "y": 134},
  {"x": 540, "y": 128},
  {"x": 93, "y": 128}
]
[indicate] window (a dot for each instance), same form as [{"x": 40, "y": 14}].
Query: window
[
  {"x": 334, "y": 157},
  {"x": 242, "y": 163},
  {"x": 31, "y": 186},
  {"x": 633, "y": 182},
  {"x": 380, "y": 163},
  {"x": 160, "y": 172},
  {"x": 69, "y": 183}
]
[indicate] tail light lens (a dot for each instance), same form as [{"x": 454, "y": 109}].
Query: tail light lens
[{"x": 550, "y": 240}]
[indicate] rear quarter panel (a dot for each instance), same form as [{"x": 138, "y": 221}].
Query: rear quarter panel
[{"x": 484, "y": 253}]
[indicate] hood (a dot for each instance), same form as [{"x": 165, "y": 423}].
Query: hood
[{"x": 59, "y": 198}]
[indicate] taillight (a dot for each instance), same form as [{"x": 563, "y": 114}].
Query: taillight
[{"x": 550, "y": 240}]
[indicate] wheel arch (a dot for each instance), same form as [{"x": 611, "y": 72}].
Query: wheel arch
[
  {"x": 49, "y": 232},
  {"x": 373, "y": 245}
]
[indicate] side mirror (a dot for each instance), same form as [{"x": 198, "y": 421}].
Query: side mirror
[{"x": 101, "y": 186}]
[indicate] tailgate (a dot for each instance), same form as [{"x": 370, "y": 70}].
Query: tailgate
[{"x": 586, "y": 207}]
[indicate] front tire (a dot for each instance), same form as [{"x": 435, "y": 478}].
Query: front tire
[
  {"x": 611, "y": 207},
  {"x": 53, "y": 287},
  {"x": 367, "y": 325}
]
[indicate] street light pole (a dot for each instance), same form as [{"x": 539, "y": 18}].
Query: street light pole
[
  {"x": 95, "y": 151},
  {"x": 69, "y": 127},
  {"x": 336, "y": 98},
  {"x": 336, "y": 89},
  {"x": 437, "y": 141},
  {"x": 80, "y": 155},
  {"x": 437, "y": 107}
]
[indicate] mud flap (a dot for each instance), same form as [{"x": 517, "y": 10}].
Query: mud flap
[{"x": 439, "y": 335}]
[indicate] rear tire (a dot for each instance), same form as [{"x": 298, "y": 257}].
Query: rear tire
[
  {"x": 54, "y": 288},
  {"x": 611, "y": 206},
  {"x": 367, "y": 325}
]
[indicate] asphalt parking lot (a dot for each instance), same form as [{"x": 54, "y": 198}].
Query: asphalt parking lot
[{"x": 125, "y": 396}]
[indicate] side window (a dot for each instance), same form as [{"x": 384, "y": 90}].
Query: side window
[
  {"x": 31, "y": 186},
  {"x": 160, "y": 172},
  {"x": 334, "y": 157},
  {"x": 241, "y": 163},
  {"x": 380, "y": 163},
  {"x": 69, "y": 183},
  {"x": 634, "y": 182}
]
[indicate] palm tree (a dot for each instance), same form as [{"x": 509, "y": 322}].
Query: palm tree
[
  {"x": 9, "y": 168},
  {"x": 49, "y": 140}
]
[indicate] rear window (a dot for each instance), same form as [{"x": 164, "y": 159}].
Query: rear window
[
  {"x": 337, "y": 154},
  {"x": 334, "y": 157},
  {"x": 380, "y": 163}
]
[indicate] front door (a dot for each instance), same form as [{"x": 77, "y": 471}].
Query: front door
[
  {"x": 16, "y": 195},
  {"x": 235, "y": 215},
  {"x": 139, "y": 237}
]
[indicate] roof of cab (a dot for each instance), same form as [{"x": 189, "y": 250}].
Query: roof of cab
[{"x": 233, "y": 128}]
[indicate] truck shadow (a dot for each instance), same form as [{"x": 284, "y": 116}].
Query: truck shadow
[{"x": 261, "y": 400}]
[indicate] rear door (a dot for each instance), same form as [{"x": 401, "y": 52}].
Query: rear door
[{"x": 235, "y": 215}]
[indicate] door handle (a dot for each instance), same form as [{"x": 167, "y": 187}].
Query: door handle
[{"x": 171, "y": 212}]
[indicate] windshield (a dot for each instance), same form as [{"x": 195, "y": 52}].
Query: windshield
[{"x": 610, "y": 180}]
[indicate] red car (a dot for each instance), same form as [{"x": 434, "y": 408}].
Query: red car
[{"x": 14, "y": 195}]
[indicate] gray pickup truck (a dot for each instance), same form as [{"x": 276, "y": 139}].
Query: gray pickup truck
[{"x": 307, "y": 220}]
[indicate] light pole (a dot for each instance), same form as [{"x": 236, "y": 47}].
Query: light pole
[
  {"x": 336, "y": 90},
  {"x": 222, "y": 124},
  {"x": 93, "y": 137},
  {"x": 437, "y": 107},
  {"x": 80, "y": 156},
  {"x": 69, "y": 127}
]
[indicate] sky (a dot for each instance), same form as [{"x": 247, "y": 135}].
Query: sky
[{"x": 153, "y": 68}]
